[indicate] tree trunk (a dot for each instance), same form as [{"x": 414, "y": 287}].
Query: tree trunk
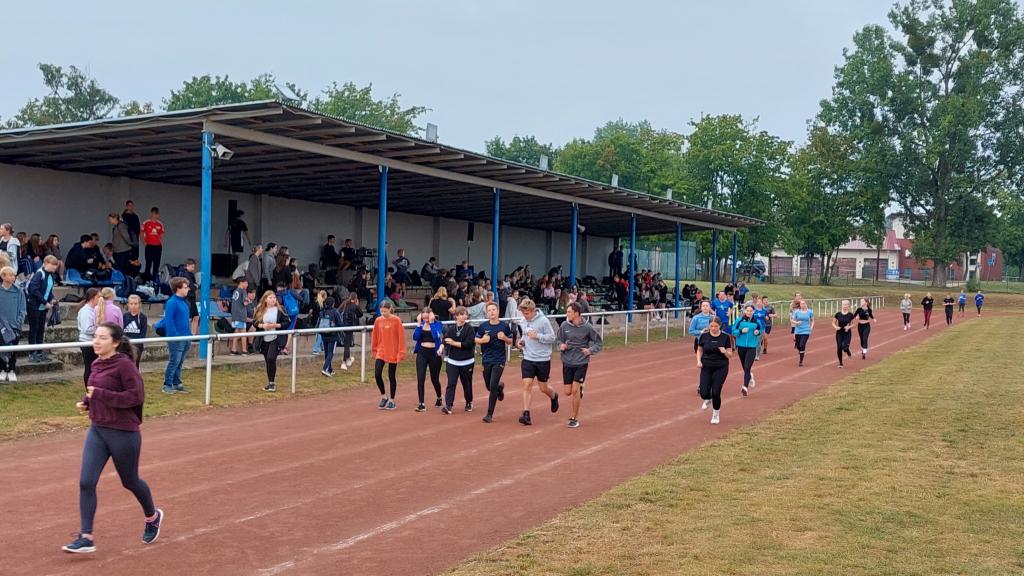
[
  {"x": 771, "y": 276},
  {"x": 878, "y": 258}
]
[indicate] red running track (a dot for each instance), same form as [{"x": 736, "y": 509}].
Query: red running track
[{"x": 331, "y": 485}]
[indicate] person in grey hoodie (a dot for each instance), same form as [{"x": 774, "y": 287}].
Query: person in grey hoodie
[
  {"x": 906, "y": 304},
  {"x": 538, "y": 336},
  {"x": 12, "y": 315},
  {"x": 577, "y": 341}
]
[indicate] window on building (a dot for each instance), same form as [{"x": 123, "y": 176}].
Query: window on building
[
  {"x": 926, "y": 273},
  {"x": 907, "y": 273}
]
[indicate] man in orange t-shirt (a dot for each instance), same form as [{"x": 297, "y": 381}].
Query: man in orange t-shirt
[{"x": 388, "y": 347}]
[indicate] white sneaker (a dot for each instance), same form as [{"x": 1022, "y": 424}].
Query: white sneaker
[
  {"x": 714, "y": 417},
  {"x": 705, "y": 405},
  {"x": 3, "y": 376},
  {"x": 350, "y": 362},
  {"x": 752, "y": 382},
  {"x": 344, "y": 365},
  {"x": 11, "y": 377}
]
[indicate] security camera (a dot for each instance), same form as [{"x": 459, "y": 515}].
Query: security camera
[
  {"x": 222, "y": 152},
  {"x": 581, "y": 228}
]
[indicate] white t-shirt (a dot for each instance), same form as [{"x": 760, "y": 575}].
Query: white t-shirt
[{"x": 270, "y": 317}]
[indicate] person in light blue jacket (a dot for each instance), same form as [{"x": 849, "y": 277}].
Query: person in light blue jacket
[
  {"x": 802, "y": 320},
  {"x": 699, "y": 323},
  {"x": 747, "y": 331}
]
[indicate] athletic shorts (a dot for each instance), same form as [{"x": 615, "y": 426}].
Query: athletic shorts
[
  {"x": 539, "y": 370},
  {"x": 193, "y": 310},
  {"x": 572, "y": 374},
  {"x": 768, "y": 328},
  {"x": 238, "y": 325}
]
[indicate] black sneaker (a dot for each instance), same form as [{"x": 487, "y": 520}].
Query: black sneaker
[
  {"x": 487, "y": 419},
  {"x": 501, "y": 391},
  {"x": 81, "y": 545},
  {"x": 469, "y": 406},
  {"x": 270, "y": 387},
  {"x": 438, "y": 403},
  {"x": 525, "y": 419},
  {"x": 554, "y": 403},
  {"x": 446, "y": 410},
  {"x": 382, "y": 404},
  {"x": 421, "y": 407},
  {"x": 153, "y": 528}
]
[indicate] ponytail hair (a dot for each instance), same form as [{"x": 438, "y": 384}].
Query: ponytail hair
[
  {"x": 123, "y": 344},
  {"x": 90, "y": 295}
]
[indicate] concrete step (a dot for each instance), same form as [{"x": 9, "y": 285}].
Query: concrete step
[{"x": 26, "y": 367}]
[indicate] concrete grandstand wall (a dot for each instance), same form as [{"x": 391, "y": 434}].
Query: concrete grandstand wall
[{"x": 71, "y": 204}]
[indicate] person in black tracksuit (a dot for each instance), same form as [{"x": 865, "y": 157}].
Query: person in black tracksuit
[
  {"x": 493, "y": 336},
  {"x": 947, "y": 305},
  {"x": 842, "y": 323},
  {"x": 714, "y": 350},
  {"x": 863, "y": 318},
  {"x": 927, "y": 303},
  {"x": 459, "y": 345}
]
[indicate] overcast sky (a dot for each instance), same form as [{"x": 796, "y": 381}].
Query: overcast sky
[{"x": 554, "y": 69}]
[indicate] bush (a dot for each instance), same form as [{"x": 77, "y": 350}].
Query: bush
[{"x": 973, "y": 285}]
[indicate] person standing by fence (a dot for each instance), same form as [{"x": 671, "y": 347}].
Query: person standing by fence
[
  {"x": 176, "y": 323},
  {"x": 388, "y": 347},
  {"x": 713, "y": 355},
  {"x": 747, "y": 331},
  {"x": 864, "y": 318},
  {"x": 842, "y": 323},
  {"x": 906, "y": 305},
  {"x": 927, "y": 304},
  {"x": 947, "y": 307},
  {"x": 136, "y": 325},
  {"x": 90, "y": 315},
  {"x": 329, "y": 317},
  {"x": 114, "y": 400},
  {"x": 803, "y": 324},
  {"x": 12, "y": 315},
  {"x": 40, "y": 303}
]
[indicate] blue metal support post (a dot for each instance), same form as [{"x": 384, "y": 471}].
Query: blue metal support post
[
  {"x": 714, "y": 263},
  {"x": 679, "y": 243},
  {"x": 495, "y": 245},
  {"x": 734, "y": 259},
  {"x": 205, "y": 241},
  {"x": 382, "y": 236},
  {"x": 632, "y": 261},
  {"x": 572, "y": 244}
]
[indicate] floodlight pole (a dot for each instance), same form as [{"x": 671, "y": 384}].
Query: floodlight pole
[
  {"x": 205, "y": 241},
  {"x": 382, "y": 236},
  {"x": 572, "y": 244},
  {"x": 679, "y": 243},
  {"x": 632, "y": 263},
  {"x": 495, "y": 246}
]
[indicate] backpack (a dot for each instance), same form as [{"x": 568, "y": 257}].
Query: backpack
[
  {"x": 291, "y": 305},
  {"x": 127, "y": 287},
  {"x": 167, "y": 271}
]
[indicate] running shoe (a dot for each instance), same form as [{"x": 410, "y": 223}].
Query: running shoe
[
  {"x": 525, "y": 419},
  {"x": 743, "y": 390},
  {"x": 421, "y": 408},
  {"x": 554, "y": 403},
  {"x": 81, "y": 545},
  {"x": 382, "y": 404},
  {"x": 153, "y": 528},
  {"x": 714, "y": 417},
  {"x": 344, "y": 365},
  {"x": 752, "y": 382},
  {"x": 469, "y": 406},
  {"x": 841, "y": 365},
  {"x": 487, "y": 419},
  {"x": 168, "y": 390},
  {"x": 326, "y": 373},
  {"x": 574, "y": 423},
  {"x": 446, "y": 410},
  {"x": 12, "y": 377},
  {"x": 501, "y": 391},
  {"x": 270, "y": 387},
  {"x": 390, "y": 405},
  {"x": 863, "y": 355},
  {"x": 180, "y": 389},
  {"x": 438, "y": 403},
  {"x": 704, "y": 406}
]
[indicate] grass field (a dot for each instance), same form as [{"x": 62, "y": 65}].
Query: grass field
[
  {"x": 911, "y": 467},
  {"x": 27, "y": 408}
]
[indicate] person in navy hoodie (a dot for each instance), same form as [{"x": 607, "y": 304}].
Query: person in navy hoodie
[
  {"x": 114, "y": 398},
  {"x": 40, "y": 301},
  {"x": 176, "y": 323},
  {"x": 429, "y": 337}
]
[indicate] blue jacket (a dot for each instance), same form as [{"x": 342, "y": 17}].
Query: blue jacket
[
  {"x": 436, "y": 330},
  {"x": 176, "y": 317},
  {"x": 37, "y": 289},
  {"x": 748, "y": 339},
  {"x": 698, "y": 323}
]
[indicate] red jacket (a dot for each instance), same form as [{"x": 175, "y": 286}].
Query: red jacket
[
  {"x": 119, "y": 393},
  {"x": 388, "y": 340}
]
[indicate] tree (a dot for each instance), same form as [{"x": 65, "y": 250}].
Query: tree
[
  {"x": 521, "y": 149},
  {"x": 136, "y": 108},
  {"x": 205, "y": 91},
  {"x": 1010, "y": 227},
  {"x": 935, "y": 115},
  {"x": 73, "y": 97},
  {"x": 358, "y": 104}
]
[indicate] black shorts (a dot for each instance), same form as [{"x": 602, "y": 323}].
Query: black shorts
[
  {"x": 768, "y": 328},
  {"x": 193, "y": 310},
  {"x": 572, "y": 374},
  {"x": 539, "y": 370}
]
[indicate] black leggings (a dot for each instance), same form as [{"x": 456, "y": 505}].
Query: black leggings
[
  {"x": 843, "y": 339},
  {"x": 864, "y": 330},
  {"x": 801, "y": 345},
  {"x": 427, "y": 358},
  {"x": 36, "y": 327},
  {"x": 270, "y": 352},
  {"x": 455, "y": 374},
  {"x": 949, "y": 315},
  {"x": 378, "y": 375},
  {"x": 492, "y": 381},
  {"x": 88, "y": 356},
  {"x": 712, "y": 378},
  {"x": 747, "y": 356},
  {"x": 906, "y": 318},
  {"x": 101, "y": 444}
]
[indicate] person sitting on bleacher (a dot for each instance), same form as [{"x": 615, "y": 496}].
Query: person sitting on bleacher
[{"x": 86, "y": 258}]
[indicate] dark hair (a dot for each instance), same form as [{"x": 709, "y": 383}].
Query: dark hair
[
  {"x": 191, "y": 261},
  {"x": 715, "y": 320},
  {"x": 329, "y": 303},
  {"x": 85, "y": 238},
  {"x": 575, "y": 307},
  {"x": 330, "y": 237},
  {"x": 124, "y": 345},
  {"x": 89, "y": 295},
  {"x": 155, "y": 210},
  {"x": 271, "y": 246}
]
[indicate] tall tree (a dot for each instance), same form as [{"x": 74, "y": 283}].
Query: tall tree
[
  {"x": 73, "y": 96},
  {"x": 935, "y": 115},
  {"x": 522, "y": 149},
  {"x": 358, "y": 104},
  {"x": 1010, "y": 227},
  {"x": 205, "y": 91}
]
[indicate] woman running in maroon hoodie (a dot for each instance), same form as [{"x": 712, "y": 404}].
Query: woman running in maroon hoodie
[{"x": 114, "y": 398}]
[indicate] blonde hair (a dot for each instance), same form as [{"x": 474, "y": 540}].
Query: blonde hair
[
  {"x": 134, "y": 298},
  {"x": 441, "y": 294},
  {"x": 321, "y": 297},
  {"x": 108, "y": 293},
  {"x": 7, "y": 270},
  {"x": 527, "y": 304}
]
